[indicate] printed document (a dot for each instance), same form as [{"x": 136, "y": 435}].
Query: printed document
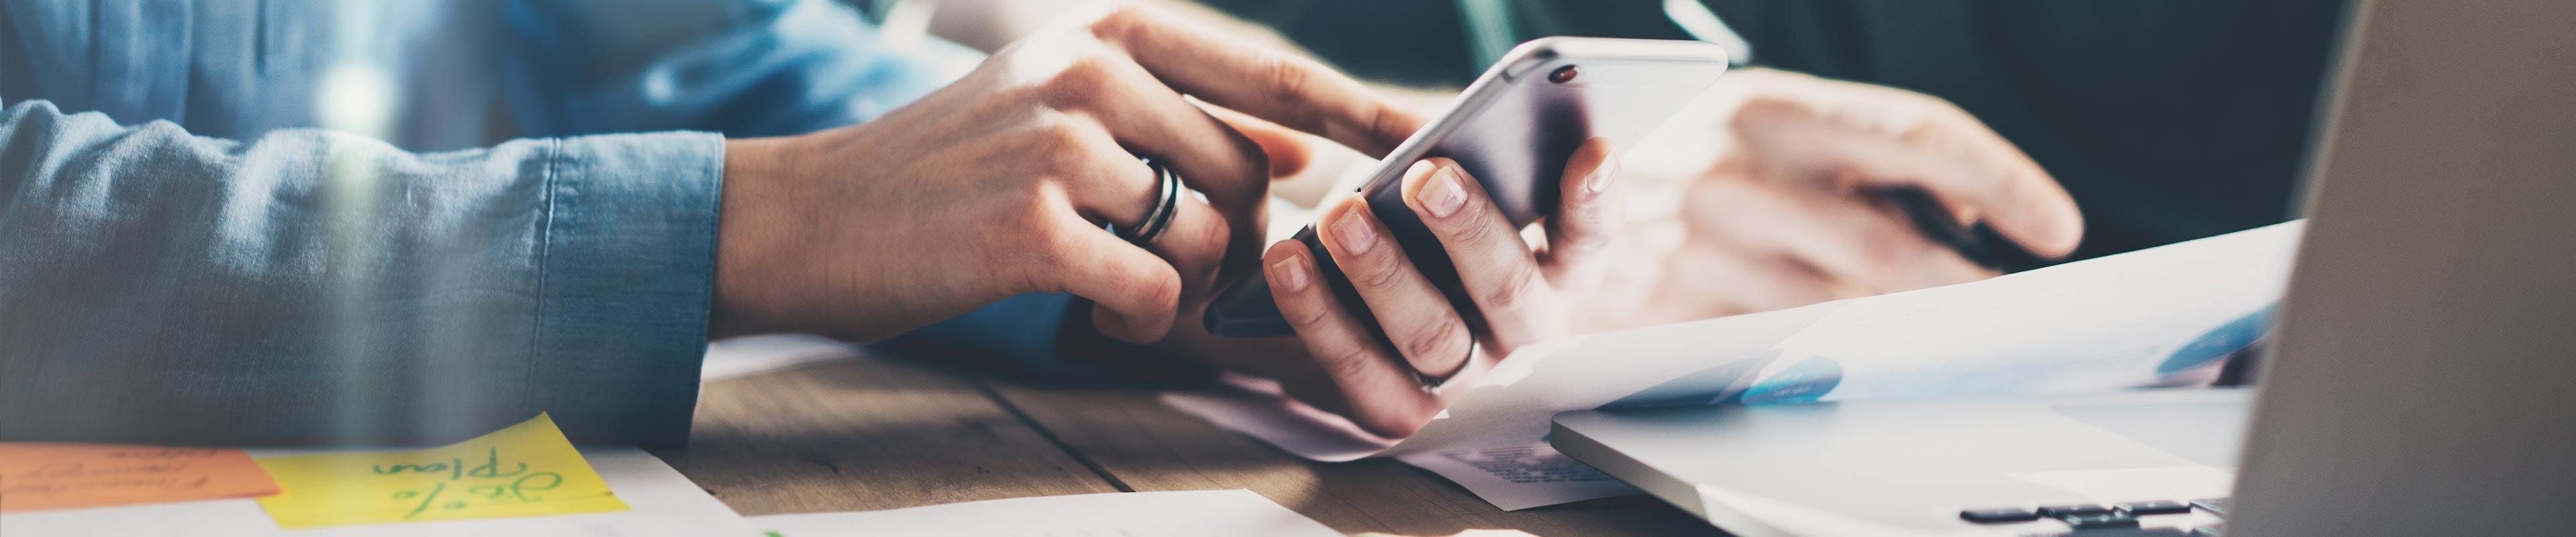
[{"x": 2167, "y": 316}]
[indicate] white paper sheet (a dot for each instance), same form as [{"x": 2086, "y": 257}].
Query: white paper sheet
[
  {"x": 734, "y": 357},
  {"x": 663, "y": 503},
  {"x": 1127, "y": 514},
  {"x": 2163, "y": 316}
]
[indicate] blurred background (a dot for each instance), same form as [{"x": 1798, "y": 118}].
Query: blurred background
[{"x": 2167, "y": 120}]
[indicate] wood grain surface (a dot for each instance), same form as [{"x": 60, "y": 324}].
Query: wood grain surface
[{"x": 866, "y": 434}]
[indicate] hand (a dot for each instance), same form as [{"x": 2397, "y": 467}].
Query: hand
[
  {"x": 1522, "y": 294},
  {"x": 1788, "y": 214},
  {"x": 998, "y": 184}
]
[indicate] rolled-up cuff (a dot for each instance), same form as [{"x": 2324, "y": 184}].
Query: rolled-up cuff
[{"x": 626, "y": 279}]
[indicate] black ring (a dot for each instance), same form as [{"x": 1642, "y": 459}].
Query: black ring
[
  {"x": 1166, "y": 207},
  {"x": 1432, "y": 385}
]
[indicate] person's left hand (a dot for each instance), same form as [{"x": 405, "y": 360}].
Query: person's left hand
[{"x": 1522, "y": 292}]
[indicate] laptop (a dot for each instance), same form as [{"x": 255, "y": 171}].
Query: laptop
[{"x": 2421, "y": 381}]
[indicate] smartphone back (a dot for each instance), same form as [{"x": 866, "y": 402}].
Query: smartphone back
[{"x": 1513, "y": 130}]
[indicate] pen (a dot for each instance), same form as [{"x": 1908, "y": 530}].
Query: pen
[{"x": 1979, "y": 244}]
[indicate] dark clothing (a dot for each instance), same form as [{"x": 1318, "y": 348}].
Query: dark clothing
[{"x": 2168, "y": 120}]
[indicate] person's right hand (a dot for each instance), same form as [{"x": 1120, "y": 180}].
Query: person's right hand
[
  {"x": 1789, "y": 213},
  {"x": 998, "y": 184}
]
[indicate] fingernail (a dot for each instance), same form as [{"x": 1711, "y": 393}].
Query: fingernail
[
  {"x": 1356, "y": 235},
  {"x": 1444, "y": 195},
  {"x": 1599, "y": 181},
  {"x": 1289, "y": 274}
]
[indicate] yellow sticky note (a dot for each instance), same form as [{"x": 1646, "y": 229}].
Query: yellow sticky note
[{"x": 525, "y": 470}]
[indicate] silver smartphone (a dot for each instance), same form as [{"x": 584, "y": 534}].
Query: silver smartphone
[{"x": 1513, "y": 129}]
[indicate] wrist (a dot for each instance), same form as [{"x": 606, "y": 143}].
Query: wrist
[{"x": 745, "y": 236}]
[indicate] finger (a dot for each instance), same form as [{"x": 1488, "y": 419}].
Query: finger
[
  {"x": 1588, "y": 218},
  {"x": 1415, "y": 315},
  {"x": 1289, "y": 151},
  {"x": 1494, "y": 265},
  {"x": 1104, "y": 182},
  {"x": 1842, "y": 235},
  {"x": 1148, "y": 117},
  {"x": 1374, "y": 390},
  {"x": 1292, "y": 91},
  {"x": 1924, "y": 142},
  {"x": 1195, "y": 243},
  {"x": 1108, "y": 182},
  {"x": 1136, "y": 292}
]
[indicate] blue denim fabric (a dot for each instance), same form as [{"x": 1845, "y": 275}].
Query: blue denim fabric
[{"x": 186, "y": 256}]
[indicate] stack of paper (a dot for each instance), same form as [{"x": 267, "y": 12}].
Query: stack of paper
[{"x": 2165, "y": 316}]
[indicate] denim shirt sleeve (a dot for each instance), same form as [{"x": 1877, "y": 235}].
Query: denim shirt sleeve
[
  {"x": 762, "y": 68},
  {"x": 737, "y": 67},
  {"x": 313, "y": 287}
]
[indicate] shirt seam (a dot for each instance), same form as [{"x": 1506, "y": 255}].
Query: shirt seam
[{"x": 545, "y": 257}]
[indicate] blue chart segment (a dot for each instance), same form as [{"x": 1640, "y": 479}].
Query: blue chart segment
[
  {"x": 1805, "y": 382},
  {"x": 2220, "y": 342}
]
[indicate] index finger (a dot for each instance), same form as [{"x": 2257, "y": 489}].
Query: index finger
[{"x": 1282, "y": 88}]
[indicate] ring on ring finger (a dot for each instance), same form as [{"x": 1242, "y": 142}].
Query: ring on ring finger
[
  {"x": 1432, "y": 385},
  {"x": 1167, "y": 203}
]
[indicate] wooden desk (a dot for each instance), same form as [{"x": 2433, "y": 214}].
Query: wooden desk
[{"x": 869, "y": 434}]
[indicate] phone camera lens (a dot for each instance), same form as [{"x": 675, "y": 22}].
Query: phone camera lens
[{"x": 1563, "y": 74}]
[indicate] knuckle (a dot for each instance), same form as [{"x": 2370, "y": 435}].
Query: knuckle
[
  {"x": 1377, "y": 269},
  {"x": 1440, "y": 340},
  {"x": 1304, "y": 315},
  {"x": 1469, "y": 226},
  {"x": 1056, "y": 131},
  {"x": 1062, "y": 164},
  {"x": 1063, "y": 148},
  {"x": 1515, "y": 287},
  {"x": 1919, "y": 132},
  {"x": 1082, "y": 80},
  {"x": 1936, "y": 123},
  {"x": 1347, "y": 362},
  {"x": 1287, "y": 78},
  {"x": 1121, "y": 19}
]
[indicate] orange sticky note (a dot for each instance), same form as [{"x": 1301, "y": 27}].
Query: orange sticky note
[{"x": 39, "y": 476}]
